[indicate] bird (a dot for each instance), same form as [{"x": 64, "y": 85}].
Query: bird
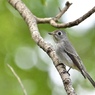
[{"x": 67, "y": 53}]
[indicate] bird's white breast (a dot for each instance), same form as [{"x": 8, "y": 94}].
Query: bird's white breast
[{"x": 63, "y": 57}]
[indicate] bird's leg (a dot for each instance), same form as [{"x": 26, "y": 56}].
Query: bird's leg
[
  {"x": 62, "y": 65},
  {"x": 68, "y": 70}
]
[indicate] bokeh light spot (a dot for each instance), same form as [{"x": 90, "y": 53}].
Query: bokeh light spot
[{"x": 25, "y": 58}]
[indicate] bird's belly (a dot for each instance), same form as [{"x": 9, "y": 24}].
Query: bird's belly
[{"x": 64, "y": 58}]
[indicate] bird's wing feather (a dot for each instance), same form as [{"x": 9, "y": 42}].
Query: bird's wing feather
[{"x": 71, "y": 52}]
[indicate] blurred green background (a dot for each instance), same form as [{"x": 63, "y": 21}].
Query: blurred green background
[{"x": 32, "y": 65}]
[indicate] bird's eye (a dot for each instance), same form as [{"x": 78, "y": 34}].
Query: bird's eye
[{"x": 59, "y": 33}]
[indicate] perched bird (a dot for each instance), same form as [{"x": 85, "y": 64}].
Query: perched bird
[{"x": 68, "y": 55}]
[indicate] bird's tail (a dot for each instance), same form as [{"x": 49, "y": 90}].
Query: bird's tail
[{"x": 89, "y": 78}]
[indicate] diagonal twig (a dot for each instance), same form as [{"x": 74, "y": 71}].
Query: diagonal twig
[
  {"x": 54, "y": 23},
  {"x": 58, "y": 16},
  {"x": 18, "y": 78},
  {"x": 75, "y": 22}
]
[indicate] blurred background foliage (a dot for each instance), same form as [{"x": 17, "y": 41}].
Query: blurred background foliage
[{"x": 31, "y": 64}]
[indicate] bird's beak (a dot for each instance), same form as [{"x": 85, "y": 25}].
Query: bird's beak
[{"x": 51, "y": 33}]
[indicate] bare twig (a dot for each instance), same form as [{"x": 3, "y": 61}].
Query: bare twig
[
  {"x": 82, "y": 18},
  {"x": 58, "y": 16},
  {"x": 75, "y": 22},
  {"x": 53, "y": 22},
  {"x": 19, "y": 80},
  {"x": 32, "y": 23}
]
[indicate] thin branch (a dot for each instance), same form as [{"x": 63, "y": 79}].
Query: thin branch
[
  {"x": 54, "y": 23},
  {"x": 75, "y": 22},
  {"x": 19, "y": 80},
  {"x": 58, "y": 16},
  {"x": 48, "y": 48},
  {"x": 82, "y": 18},
  {"x": 43, "y": 20}
]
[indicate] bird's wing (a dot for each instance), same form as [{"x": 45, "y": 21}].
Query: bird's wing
[{"x": 71, "y": 52}]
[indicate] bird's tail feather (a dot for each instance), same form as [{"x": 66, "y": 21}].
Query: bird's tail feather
[{"x": 89, "y": 78}]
